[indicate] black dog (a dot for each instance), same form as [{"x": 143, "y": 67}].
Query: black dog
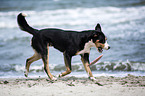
[{"x": 69, "y": 42}]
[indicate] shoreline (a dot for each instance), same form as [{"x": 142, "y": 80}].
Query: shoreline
[{"x": 74, "y": 86}]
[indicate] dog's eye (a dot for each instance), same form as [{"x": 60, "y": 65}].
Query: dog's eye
[{"x": 102, "y": 41}]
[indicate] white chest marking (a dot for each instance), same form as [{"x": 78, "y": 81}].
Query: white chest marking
[{"x": 87, "y": 47}]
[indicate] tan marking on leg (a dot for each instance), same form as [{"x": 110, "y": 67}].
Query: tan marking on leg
[
  {"x": 46, "y": 65},
  {"x": 87, "y": 68},
  {"x": 30, "y": 60},
  {"x": 68, "y": 71}
]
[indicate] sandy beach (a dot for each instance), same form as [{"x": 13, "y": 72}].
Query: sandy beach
[{"x": 74, "y": 86}]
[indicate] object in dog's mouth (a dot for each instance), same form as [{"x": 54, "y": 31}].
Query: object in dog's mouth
[
  {"x": 97, "y": 59},
  {"x": 100, "y": 50}
]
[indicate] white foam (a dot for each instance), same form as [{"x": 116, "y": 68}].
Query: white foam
[
  {"x": 72, "y": 17},
  {"x": 112, "y": 19}
]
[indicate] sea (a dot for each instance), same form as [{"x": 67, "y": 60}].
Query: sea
[{"x": 122, "y": 21}]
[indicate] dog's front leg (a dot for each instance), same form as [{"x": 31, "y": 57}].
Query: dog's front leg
[
  {"x": 85, "y": 61},
  {"x": 67, "y": 60}
]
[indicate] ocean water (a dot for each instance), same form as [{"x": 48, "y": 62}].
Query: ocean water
[{"x": 122, "y": 21}]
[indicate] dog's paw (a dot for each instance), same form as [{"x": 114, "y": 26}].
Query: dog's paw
[
  {"x": 92, "y": 78},
  {"x": 54, "y": 79}
]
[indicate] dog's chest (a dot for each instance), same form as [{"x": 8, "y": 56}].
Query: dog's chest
[{"x": 87, "y": 47}]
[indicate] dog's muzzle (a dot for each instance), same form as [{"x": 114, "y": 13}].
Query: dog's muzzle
[{"x": 106, "y": 46}]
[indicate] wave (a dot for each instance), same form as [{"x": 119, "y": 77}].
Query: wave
[
  {"x": 117, "y": 22},
  {"x": 78, "y": 67},
  {"x": 74, "y": 17}
]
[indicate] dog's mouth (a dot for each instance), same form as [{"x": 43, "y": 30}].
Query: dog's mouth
[{"x": 100, "y": 49}]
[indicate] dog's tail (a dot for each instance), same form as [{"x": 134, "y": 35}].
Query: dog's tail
[{"x": 24, "y": 25}]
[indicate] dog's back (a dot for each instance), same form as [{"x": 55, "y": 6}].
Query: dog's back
[{"x": 65, "y": 39}]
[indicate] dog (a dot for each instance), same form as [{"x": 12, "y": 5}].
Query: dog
[{"x": 70, "y": 43}]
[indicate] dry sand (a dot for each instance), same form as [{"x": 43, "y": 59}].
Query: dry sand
[{"x": 73, "y": 86}]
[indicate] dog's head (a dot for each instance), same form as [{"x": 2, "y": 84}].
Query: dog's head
[{"x": 99, "y": 39}]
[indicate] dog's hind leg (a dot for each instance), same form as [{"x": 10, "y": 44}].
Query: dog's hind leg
[
  {"x": 85, "y": 61},
  {"x": 67, "y": 60},
  {"x": 45, "y": 58},
  {"x": 30, "y": 60}
]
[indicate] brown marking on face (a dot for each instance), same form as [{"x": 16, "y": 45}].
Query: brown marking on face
[{"x": 99, "y": 44}]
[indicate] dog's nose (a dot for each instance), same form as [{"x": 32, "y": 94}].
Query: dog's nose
[{"x": 108, "y": 47}]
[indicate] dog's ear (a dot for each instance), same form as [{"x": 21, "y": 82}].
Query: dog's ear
[{"x": 98, "y": 27}]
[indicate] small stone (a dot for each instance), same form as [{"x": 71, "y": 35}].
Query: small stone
[
  {"x": 6, "y": 82},
  {"x": 71, "y": 84},
  {"x": 98, "y": 84}
]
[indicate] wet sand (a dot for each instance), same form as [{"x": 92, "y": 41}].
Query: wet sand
[{"x": 74, "y": 86}]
